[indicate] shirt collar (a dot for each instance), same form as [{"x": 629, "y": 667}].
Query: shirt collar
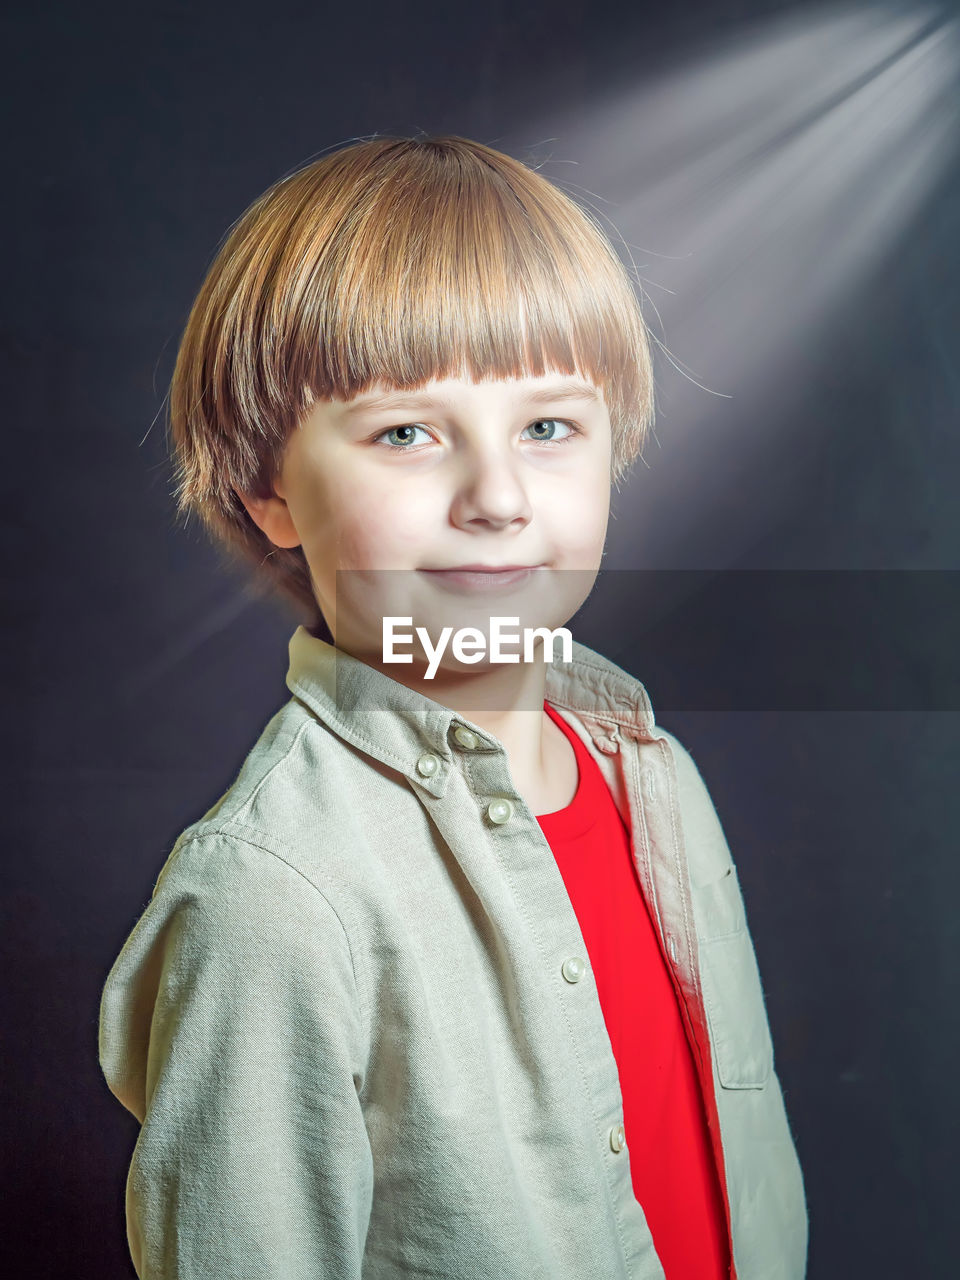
[{"x": 398, "y": 726}]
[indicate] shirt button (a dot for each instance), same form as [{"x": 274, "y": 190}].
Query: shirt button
[
  {"x": 618, "y": 1139},
  {"x": 466, "y": 737},
  {"x": 428, "y": 764},
  {"x": 500, "y": 810},
  {"x": 573, "y": 969}
]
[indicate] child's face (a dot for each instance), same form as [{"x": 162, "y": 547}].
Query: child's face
[{"x": 504, "y": 472}]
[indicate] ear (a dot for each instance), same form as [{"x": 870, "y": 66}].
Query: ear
[{"x": 272, "y": 516}]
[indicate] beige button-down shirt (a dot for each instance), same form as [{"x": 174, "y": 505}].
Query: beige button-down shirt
[{"x": 357, "y": 1021}]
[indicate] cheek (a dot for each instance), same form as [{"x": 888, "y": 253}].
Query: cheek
[
  {"x": 381, "y": 527},
  {"x": 581, "y": 519}
]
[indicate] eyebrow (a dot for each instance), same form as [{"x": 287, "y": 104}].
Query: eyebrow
[{"x": 413, "y": 399}]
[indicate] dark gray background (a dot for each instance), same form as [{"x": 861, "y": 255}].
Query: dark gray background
[{"x": 140, "y": 670}]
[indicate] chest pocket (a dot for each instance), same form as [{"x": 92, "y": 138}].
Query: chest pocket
[{"x": 732, "y": 992}]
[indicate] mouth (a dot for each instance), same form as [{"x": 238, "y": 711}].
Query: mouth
[{"x": 480, "y": 577}]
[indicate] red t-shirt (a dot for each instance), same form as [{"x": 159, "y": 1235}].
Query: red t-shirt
[{"x": 672, "y": 1162}]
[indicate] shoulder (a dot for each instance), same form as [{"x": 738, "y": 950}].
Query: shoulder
[
  {"x": 267, "y": 858},
  {"x": 268, "y": 765},
  {"x": 707, "y": 849},
  {"x": 269, "y": 870},
  {"x": 289, "y": 805},
  {"x": 690, "y": 781},
  {"x": 252, "y": 866}
]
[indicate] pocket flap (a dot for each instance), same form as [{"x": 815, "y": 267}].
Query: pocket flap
[{"x": 733, "y": 996}]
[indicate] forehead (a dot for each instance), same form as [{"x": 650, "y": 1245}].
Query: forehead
[{"x": 507, "y": 393}]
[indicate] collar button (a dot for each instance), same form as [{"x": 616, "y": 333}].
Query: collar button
[{"x": 428, "y": 764}]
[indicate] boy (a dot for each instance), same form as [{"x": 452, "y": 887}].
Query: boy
[{"x": 455, "y": 979}]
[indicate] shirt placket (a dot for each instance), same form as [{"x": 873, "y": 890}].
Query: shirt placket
[
  {"x": 656, "y": 841},
  {"x": 512, "y": 836}
]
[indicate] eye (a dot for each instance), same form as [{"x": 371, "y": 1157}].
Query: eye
[
  {"x": 404, "y": 433},
  {"x": 544, "y": 429},
  {"x": 544, "y": 425}
]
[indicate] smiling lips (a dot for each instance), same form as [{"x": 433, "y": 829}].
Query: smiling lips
[{"x": 480, "y": 577}]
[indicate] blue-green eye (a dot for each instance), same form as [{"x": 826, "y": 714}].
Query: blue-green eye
[
  {"x": 550, "y": 423},
  {"x": 406, "y": 440}
]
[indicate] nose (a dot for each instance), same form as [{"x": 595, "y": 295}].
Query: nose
[{"x": 490, "y": 494}]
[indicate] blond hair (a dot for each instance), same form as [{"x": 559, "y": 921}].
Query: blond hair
[{"x": 396, "y": 261}]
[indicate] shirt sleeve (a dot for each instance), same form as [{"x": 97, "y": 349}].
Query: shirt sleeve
[{"x": 231, "y": 1027}]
